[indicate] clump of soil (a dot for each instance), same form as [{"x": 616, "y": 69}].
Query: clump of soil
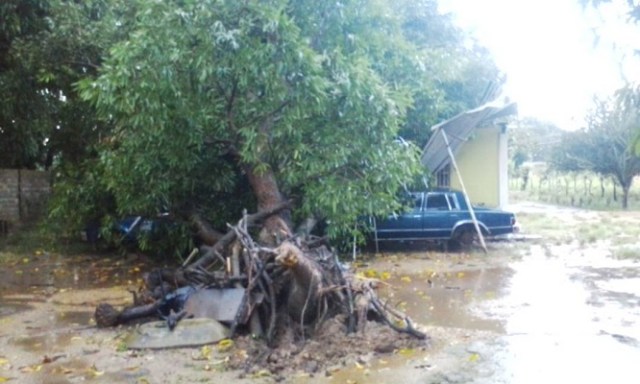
[{"x": 328, "y": 349}]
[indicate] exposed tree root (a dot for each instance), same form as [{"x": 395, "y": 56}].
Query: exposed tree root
[{"x": 296, "y": 285}]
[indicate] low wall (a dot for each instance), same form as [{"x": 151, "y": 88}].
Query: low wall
[{"x": 23, "y": 196}]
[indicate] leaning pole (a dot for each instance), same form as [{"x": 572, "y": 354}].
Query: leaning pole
[{"x": 464, "y": 192}]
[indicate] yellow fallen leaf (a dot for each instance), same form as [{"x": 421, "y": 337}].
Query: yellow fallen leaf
[
  {"x": 474, "y": 357},
  {"x": 31, "y": 368},
  {"x": 406, "y": 352},
  {"x": 262, "y": 373},
  {"x": 142, "y": 380},
  {"x": 385, "y": 275},
  {"x": 93, "y": 371},
  {"x": 224, "y": 345},
  {"x": 206, "y": 351},
  {"x": 371, "y": 273},
  {"x": 460, "y": 275},
  {"x": 25, "y": 260},
  {"x": 3, "y": 361},
  {"x": 4, "y": 379},
  {"x": 405, "y": 279}
]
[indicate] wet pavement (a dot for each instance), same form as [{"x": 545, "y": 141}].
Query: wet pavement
[
  {"x": 537, "y": 313},
  {"x": 554, "y": 310}
]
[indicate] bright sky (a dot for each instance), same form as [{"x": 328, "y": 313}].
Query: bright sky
[{"x": 547, "y": 49}]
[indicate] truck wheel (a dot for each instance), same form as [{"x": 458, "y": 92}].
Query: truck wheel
[{"x": 465, "y": 237}]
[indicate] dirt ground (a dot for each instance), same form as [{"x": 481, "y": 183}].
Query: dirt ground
[{"x": 561, "y": 303}]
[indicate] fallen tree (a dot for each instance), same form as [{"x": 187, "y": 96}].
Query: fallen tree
[{"x": 292, "y": 287}]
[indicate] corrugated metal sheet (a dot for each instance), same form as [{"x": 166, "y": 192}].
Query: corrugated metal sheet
[{"x": 458, "y": 130}]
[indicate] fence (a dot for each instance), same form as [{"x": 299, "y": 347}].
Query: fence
[{"x": 23, "y": 196}]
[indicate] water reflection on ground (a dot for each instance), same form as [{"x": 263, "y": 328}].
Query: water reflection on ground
[
  {"x": 571, "y": 318},
  {"x": 560, "y": 313}
]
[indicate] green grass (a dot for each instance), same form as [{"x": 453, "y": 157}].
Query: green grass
[
  {"x": 627, "y": 252},
  {"x": 579, "y": 189}
]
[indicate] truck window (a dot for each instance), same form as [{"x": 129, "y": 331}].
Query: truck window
[
  {"x": 437, "y": 202},
  {"x": 453, "y": 202}
]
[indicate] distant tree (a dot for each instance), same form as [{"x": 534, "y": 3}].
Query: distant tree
[
  {"x": 604, "y": 146},
  {"x": 630, "y": 93},
  {"x": 531, "y": 139}
]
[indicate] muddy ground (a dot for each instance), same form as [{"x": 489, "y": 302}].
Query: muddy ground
[{"x": 559, "y": 304}]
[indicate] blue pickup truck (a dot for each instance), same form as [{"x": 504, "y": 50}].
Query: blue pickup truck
[{"x": 442, "y": 215}]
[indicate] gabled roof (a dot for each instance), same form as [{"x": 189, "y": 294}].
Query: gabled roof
[{"x": 458, "y": 129}]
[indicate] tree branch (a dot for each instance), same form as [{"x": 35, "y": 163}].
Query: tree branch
[{"x": 225, "y": 240}]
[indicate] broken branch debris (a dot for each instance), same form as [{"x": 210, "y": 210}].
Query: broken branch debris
[{"x": 259, "y": 289}]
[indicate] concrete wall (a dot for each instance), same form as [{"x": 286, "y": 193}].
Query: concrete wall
[
  {"x": 479, "y": 163},
  {"x": 23, "y": 196}
]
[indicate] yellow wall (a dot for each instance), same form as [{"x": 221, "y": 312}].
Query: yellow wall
[{"x": 478, "y": 161}]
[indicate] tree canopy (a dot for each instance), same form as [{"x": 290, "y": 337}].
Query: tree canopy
[{"x": 202, "y": 108}]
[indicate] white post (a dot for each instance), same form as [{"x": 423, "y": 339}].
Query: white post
[{"x": 464, "y": 192}]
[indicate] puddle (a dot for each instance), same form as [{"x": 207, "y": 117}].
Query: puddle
[
  {"x": 560, "y": 313},
  {"x": 44, "y": 342},
  {"x": 568, "y": 321},
  {"x": 443, "y": 299},
  {"x": 47, "y": 301},
  {"x": 47, "y": 273},
  {"x": 74, "y": 317}
]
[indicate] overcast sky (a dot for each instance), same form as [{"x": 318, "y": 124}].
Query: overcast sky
[{"x": 548, "y": 50}]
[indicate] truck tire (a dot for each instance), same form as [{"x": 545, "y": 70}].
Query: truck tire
[{"x": 465, "y": 236}]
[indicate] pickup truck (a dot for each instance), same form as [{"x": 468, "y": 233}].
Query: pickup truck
[{"x": 442, "y": 215}]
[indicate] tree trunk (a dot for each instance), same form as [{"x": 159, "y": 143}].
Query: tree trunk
[
  {"x": 625, "y": 197},
  {"x": 204, "y": 231},
  {"x": 525, "y": 179},
  {"x": 265, "y": 188}
]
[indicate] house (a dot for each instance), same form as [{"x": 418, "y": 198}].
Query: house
[{"x": 478, "y": 140}]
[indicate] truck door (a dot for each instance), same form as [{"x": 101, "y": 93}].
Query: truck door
[
  {"x": 405, "y": 225},
  {"x": 440, "y": 215}
]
